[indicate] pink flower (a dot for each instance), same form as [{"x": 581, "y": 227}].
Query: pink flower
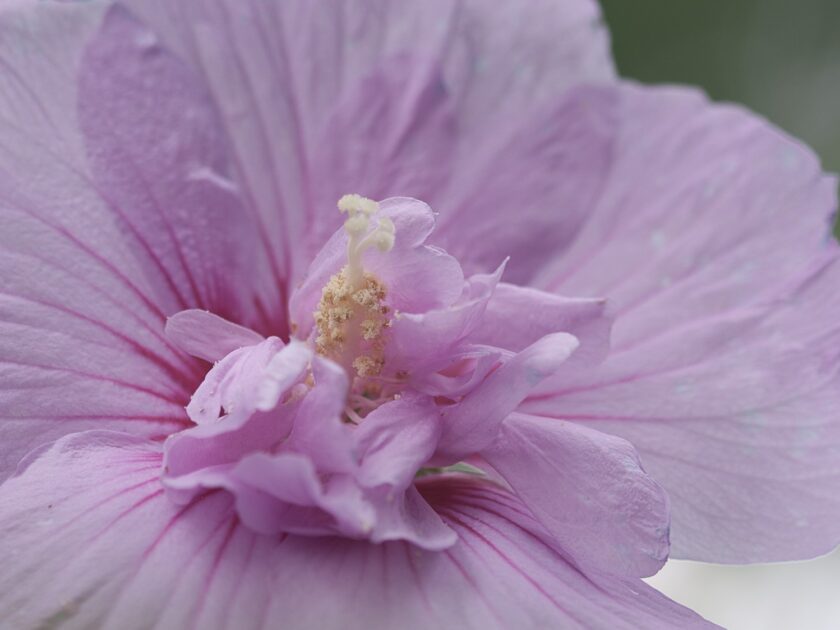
[{"x": 226, "y": 404}]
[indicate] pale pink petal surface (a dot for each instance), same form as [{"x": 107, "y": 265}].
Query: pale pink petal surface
[
  {"x": 712, "y": 240},
  {"x": 207, "y": 336},
  {"x": 95, "y": 258},
  {"x": 585, "y": 487},
  {"x": 282, "y": 72}
]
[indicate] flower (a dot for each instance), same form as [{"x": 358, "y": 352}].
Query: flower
[{"x": 228, "y": 403}]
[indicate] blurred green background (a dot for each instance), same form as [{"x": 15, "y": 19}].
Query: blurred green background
[{"x": 781, "y": 58}]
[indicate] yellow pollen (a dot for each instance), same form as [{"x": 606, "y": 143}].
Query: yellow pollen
[{"x": 352, "y": 317}]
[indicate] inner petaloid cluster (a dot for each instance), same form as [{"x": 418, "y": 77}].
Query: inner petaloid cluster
[
  {"x": 352, "y": 318},
  {"x": 408, "y": 369}
]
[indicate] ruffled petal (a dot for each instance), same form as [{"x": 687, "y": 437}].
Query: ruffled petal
[
  {"x": 319, "y": 430},
  {"x": 206, "y": 404},
  {"x": 99, "y": 243},
  {"x": 289, "y": 493},
  {"x": 418, "y": 277},
  {"x": 273, "y": 380},
  {"x": 231, "y": 407},
  {"x": 395, "y": 440},
  {"x": 207, "y": 336},
  {"x": 712, "y": 241},
  {"x": 473, "y": 423},
  {"x": 516, "y": 317},
  {"x": 248, "y": 379},
  {"x": 95, "y": 496},
  {"x": 469, "y": 367},
  {"x": 589, "y": 490},
  {"x": 422, "y": 340},
  {"x": 411, "y": 519}
]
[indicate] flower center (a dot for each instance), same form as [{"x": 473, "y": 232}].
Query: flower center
[{"x": 352, "y": 317}]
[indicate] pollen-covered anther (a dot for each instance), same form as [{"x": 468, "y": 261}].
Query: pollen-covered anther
[
  {"x": 351, "y": 325},
  {"x": 352, "y": 316},
  {"x": 371, "y": 329},
  {"x": 368, "y": 366}
]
